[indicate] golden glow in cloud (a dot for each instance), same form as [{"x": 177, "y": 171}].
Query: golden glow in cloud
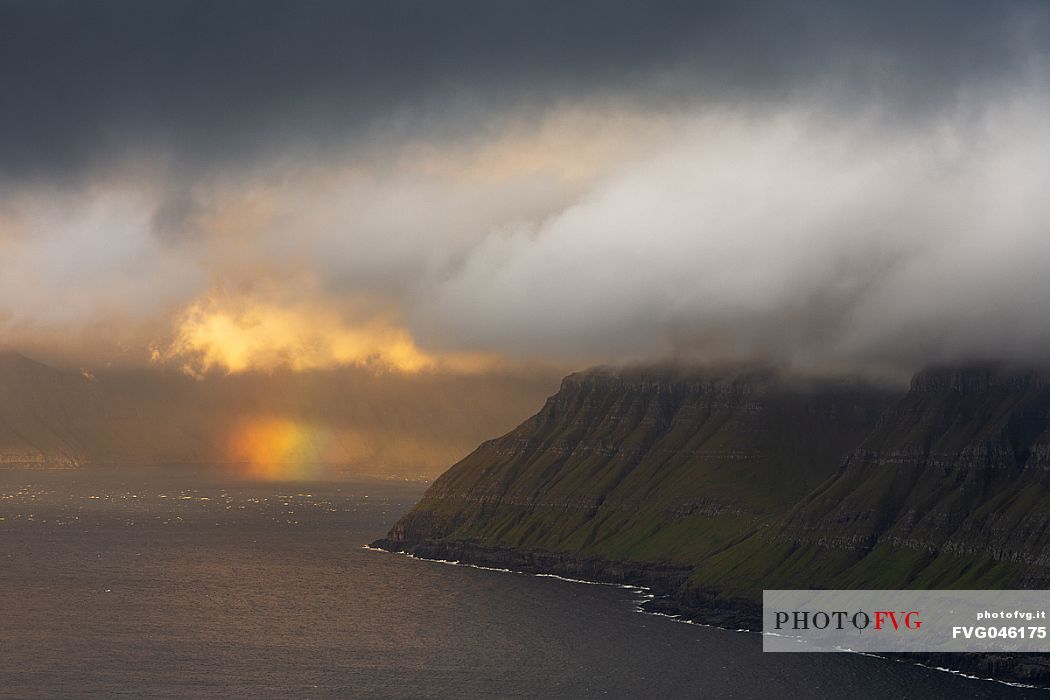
[{"x": 243, "y": 335}]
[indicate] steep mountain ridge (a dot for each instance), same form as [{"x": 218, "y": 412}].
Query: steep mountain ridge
[{"x": 657, "y": 465}]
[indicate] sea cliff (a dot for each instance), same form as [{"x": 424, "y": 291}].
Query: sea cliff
[{"x": 708, "y": 486}]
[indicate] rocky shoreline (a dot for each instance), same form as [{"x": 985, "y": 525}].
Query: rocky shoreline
[{"x": 671, "y": 597}]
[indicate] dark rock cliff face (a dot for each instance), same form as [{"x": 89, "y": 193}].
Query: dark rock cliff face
[{"x": 711, "y": 488}]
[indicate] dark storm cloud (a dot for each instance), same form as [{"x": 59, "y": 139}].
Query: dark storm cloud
[{"x": 207, "y": 83}]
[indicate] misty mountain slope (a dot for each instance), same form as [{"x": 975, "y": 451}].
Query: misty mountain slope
[
  {"x": 47, "y": 416},
  {"x": 343, "y": 418},
  {"x": 54, "y": 418},
  {"x": 951, "y": 490},
  {"x": 331, "y": 420},
  {"x": 649, "y": 465}
]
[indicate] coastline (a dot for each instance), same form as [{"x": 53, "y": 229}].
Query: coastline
[{"x": 665, "y": 596}]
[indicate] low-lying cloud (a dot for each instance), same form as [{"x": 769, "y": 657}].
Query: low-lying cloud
[{"x": 787, "y": 238}]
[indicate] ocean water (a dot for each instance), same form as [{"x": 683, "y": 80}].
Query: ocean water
[{"x": 163, "y": 588}]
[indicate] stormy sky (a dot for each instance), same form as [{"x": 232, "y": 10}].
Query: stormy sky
[{"x": 236, "y": 185}]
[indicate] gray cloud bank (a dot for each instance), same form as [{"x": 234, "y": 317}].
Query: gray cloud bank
[
  {"x": 787, "y": 239},
  {"x": 824, "y": 185},
  {"x": 207, "y": 82}
]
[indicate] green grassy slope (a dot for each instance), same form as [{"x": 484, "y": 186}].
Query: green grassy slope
[
  {"x": 650, "y": 465},
  {"x": 757, "y": 482},
  {"x": 951, "y": 490}
]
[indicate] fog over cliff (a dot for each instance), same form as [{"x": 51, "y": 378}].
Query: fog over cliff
[{"x": 464, "y": 186}]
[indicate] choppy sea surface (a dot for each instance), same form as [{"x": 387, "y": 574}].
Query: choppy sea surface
[{"x": 146, "y": 588}]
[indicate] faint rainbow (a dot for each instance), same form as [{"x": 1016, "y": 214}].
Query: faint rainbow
[{"x": 277, "y": 449}]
